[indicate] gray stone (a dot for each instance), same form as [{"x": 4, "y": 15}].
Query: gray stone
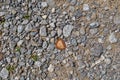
[
  {"x": 19, "y": 1},
  {"x": 59, "y": 31},
  {"x": 28, "y": 27},
  {"x": 21, "y": 63},
  {"x": 83, "y": 39},
  {"x": 4, "y": 73},
  {"x": 109, "y": 47},
  {"x": 71, "y": 8},
  {"x": 44, "y": 4},
  {"x": 43, "y": 22},
  {"x": 37, "y": 63},
  {"x": 108, "y": 61},
  {"x": 23, "y": 50},
  {"x": 51, "y": 3},
  {"x": 85, "y": 7},
  {"x": 53, "y": 33},
  {"x": 97, "y": 49},
  {"x": 94, "y": 25},
  {"x": 112, "y": 38},
  {"x": 81, "y": 65},
  {"x": 19, "y": 43},
  {"x": 117, "y": 19},
  {"x": 25, "y": 21},
  {"x": 82, "y": 30},
  {"x": 33, "y": 33},
  {"x": 74, "y": 42},
  {"x": 43, "y": 31},
  {"x": 22, "y": 78},
  {"x": 16, "y": 39},
  {"x": 6, "y": 24},
  {"x": 67, "y": 30},
  {"x": 20, "y": 28},
  {"x": 78, "y": 14},
  {"x": 44, "y": 45},
  {"x": 2, "y": 13},
  {"x": 8, "y": 59},
  {"x": 43, "y": 60},
  {"x": 93, "y": 31},
  {"x": 52, "y": 24},
  {"x": 73, "y": 2},
  {"x": 50, "y": 47}
]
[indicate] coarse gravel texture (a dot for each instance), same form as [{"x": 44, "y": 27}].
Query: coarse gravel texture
[{"x": 30, "y": 28}]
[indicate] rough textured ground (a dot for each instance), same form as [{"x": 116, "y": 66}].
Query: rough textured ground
[{"x": 30, "y": 28}]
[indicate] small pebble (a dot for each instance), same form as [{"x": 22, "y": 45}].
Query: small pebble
[
  {"x": 97, "y": 49},
  {"x": 25, "y": 21},
  {"x": 73, "y": 2},
  {"x": 59, "y": 32},
  {"x": 85, "y": 7},
  {"x": 20, "y": 42},
  {"x": 93, "y": 31},
  {"x": 20, "y": 28},
  {"x": 4, "y": 73},
  {"x": 94, "y": 25},
  {"x": 44, "y": 16},
  {"x": 112, "y": 38},
  {"x": 82, "y": 30},
  {"x": 44, "y": 4},
  {"x": 116, "y": 19},
  {"x": 67, "y": 30},
  {"x": 107, "y": 61},
  {"x": 53, "y": 33},
  {"x": 6, "y": 24},
  {"x": 52, "y": 24},
  {"x": 74, "y": 42},
  {"x": 53, "y": 10},
  {"x": 37, "y": 63},
  {"x": 28, "y": 27},
  {"x": 43, "y": 31},
  {"x": 44, "y": 45},
  {"x": 51, "y": 68}
]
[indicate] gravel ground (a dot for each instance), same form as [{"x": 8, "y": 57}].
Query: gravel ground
[{"x": 89, "y": 28}]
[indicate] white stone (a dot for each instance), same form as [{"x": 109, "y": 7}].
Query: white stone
[
  {"x": 53, "y": 10},
  {"x": 85, "y": 7},
  {"x": 51, "y": 68},
  {"x": 44, "y": 16}
]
